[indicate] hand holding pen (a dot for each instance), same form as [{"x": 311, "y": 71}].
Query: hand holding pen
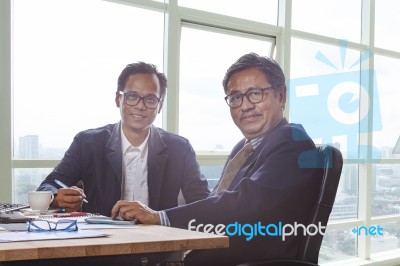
[
  {"x": 69, "y": 198},
  {"x": 61, "y": 184}
]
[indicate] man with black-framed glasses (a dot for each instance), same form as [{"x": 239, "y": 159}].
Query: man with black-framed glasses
[
  {"x": 267, "y": 181},
  {"x": 129, "y": 160}
]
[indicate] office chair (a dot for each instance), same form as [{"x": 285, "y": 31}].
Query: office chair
[{"x": 330, "y": 159}]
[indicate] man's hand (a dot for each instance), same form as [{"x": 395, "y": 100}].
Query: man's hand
[
  {"x": 131, "y": 210},
  {"x": 69, "y": 199}
]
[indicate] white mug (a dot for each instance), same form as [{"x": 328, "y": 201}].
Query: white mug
[{"x": 40, "y": 200}]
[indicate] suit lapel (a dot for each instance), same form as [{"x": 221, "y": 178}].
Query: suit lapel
[
  {"x": 114, "y": 153},
  {"x": 155, "y": 164}
]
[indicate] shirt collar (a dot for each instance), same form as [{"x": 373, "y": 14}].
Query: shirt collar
[
  {"x": 126, "y": 145},
  {"x": 255, "y": 142}
]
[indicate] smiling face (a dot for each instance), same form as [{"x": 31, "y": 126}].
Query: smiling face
[
  {"x": 137, "y": 119},
  {"x": 255, "y": 119}
]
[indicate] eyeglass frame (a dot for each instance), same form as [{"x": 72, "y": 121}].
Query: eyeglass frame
[
  {"x": 72, "y": 222},
  {"x": 262, "y": 90},
  {"x": 121, "y": 93}
]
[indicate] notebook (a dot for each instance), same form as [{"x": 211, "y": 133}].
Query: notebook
[{"x": 78, "y": 216}]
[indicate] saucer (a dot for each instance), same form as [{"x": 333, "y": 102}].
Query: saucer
[{"x": 38, "y": 212}]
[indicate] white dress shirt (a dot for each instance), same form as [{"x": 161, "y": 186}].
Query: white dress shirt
[{"x": 134, "y": 170}]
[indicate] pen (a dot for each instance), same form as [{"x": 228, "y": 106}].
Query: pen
[{"x": 61, "y": 184}]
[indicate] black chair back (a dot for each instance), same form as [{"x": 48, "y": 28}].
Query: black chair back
[{"x": 331, "y": 161}]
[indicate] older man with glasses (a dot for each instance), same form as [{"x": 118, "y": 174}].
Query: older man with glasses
[
  {"x": 264, "y": 184},
  {"x": 129, "y": 160}
]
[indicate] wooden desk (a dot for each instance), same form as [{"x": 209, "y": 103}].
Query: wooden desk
[{"x": 145, "y": 241}]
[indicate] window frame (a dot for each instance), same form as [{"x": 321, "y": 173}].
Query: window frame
[{"x": 175, "y": 17}]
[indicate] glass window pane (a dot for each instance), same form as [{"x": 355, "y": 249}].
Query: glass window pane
[
  {"x": 385, "y": 189},
  {"x": 387, "y": 85},
  {"x": 386, "y": 24},
  {"x": 212, "y": 173},
  {"x": 67, "y": 56},
  {"x": 204, "y": 115},
  {"x": 334, "y": 18},
  {"x": 338, "y": 244},
  {"x": 327, "y": 78},
  {"x": 25, "y": 180},
  {"x": 390, "y": 239},
  {"x": 346, "y": 201},
  {"x": 258, "y": 10}
]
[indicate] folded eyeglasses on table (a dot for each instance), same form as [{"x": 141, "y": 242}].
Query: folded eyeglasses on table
[{"x": 66, "y": 225}]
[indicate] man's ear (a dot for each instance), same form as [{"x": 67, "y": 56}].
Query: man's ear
[
  {"x": 282, "y": 95},
  {"x": 117, "y": 99}
]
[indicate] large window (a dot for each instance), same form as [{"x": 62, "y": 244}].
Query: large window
[
  {"x": 341, "y": 60},
  {"x": 386, "y": 22},
  {"x": 386, "y": 177},
  {"x": 65, "y": 69},
  {"x": 334, "y": 18},
  {"x": 327, "y": 78},
  {"x": 352, "y": 84},
  {"x": 321, "y": 76},
  {"x": 387, "y": 86},
  {"x": 257, "y": 10},
  {"x": 67, "y": 56},
  {"x": 204, "y": 115}
]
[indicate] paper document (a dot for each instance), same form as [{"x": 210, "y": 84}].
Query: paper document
[
  {"x": 14, "y": 227},
  {"x": 86, "y": 226}
]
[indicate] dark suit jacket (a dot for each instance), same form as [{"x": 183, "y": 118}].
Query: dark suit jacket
[
  {"x": 95, "y": 157},
  {"x": 273, "y": 186}
]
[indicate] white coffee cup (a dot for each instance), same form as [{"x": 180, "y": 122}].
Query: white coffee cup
[{"x": 40, "y": 200}]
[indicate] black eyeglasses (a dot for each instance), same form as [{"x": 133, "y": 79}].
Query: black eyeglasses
[
  {"x": 255, "y": 95},
  {"x": 67, "y": 225},
  {"x": 133, "y": 99}
]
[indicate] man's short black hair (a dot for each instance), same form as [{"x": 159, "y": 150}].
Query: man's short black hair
[
  {"x": 142, "y": 68},
  {"x": 271, "y": 69}
]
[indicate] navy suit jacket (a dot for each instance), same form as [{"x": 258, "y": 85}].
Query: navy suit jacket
[
  {"x": 274, "y": 185},
  {"x": 95, "y": 157}
]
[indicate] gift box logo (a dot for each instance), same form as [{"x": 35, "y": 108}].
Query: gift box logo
[{"x": 328, "y": 106}]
